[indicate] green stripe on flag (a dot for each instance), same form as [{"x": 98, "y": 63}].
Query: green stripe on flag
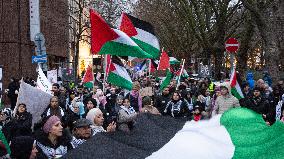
[
  {"x": 148, "y": 48},
  {"x": 88, "y": 84},
  {"x": 236, "y": 93},
  {"x": 120, "y": 49},
  {"x": 119, "y": 81},
  {"x": 167, "y": 80},
  {"x": 251, "y": 136}
]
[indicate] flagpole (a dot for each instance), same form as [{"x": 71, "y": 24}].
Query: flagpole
[
  {"x": 149, "y": 67},
  {"x": 178, "y": 82},
  {"x": 105, "y": 59}
]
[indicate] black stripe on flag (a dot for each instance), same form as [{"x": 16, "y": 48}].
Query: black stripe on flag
[
  {"x": 154, "y": 64},
  {"x": 141, "y": 24},
  {"x": 117, "y": 60},
  {"x": 149, "y": 135}
]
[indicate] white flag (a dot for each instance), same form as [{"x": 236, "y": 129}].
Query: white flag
[
  {"x": 52, "y": 76},
  {"x": 42, "y": 82},
  {"x": 35, "y": 99}
]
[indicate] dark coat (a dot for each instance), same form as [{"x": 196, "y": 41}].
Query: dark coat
[
  {"x": 18, "y": 126},
  {"x": 177, "y": 108},
  {"x": 42, "y": 138},
  {"x": 161, "y": 102},
  {"x": 111, "y": 100},
  {"x": 133, "y": 102},
  {"x": 260, "y": 105}
]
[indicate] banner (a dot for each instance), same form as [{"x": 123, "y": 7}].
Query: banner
[
  {"x": 35, "y": 99},
  {"x": 42, "y": 82},
  {"x": 52, "y": 76},
  {"x": 34, "y": 18}
]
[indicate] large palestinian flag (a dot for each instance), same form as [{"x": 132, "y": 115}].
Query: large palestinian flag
[
  {"x": 118, "y": 75},
  {"x": 142, "y": 33},
  {"x": 239, "y": 133},
  {"x": 105, "y": 40}
]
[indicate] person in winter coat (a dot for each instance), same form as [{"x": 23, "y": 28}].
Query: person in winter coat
[
  {"x": 225, "y": 101},
  {"x": 111, "y": 100},
  {"x": 162, "y": 100},
  {"x": 96, "y": 116},
  {"x": 81, "y": 132},
  {"x": 69, "y": 100},
  {"x": 52, "y": 140},
  {"x": 13, "y": 89},
  {"x": 148, "y": 106},
  {"x": 177, "y": 107},
  {"x": 90, "y": 104},
  {"x": 20, "y": 125},
  {"x": 261, "y": 105},
  {"x": 77, "y": 111},
  {"x": 126, "y": 117},
  {"x": 198, "y": 113},
  {"x": 23, "y": 147},
  {"x": 135, "y": 97},
  {"x": 61, "y": 96},
  {"x": 54, "y": 109},
  {"x": 5, "y": 117}
]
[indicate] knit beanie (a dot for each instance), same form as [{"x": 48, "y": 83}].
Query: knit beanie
[
  {"x": 49, "y": 123},
  {"x": 92, "y": 113},
  {"x": 21, "y": 147}
]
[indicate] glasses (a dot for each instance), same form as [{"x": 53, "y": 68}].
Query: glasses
[{"x": 54, "y": 101}]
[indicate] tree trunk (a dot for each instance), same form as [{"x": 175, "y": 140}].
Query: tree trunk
[
  {"x": 271, "y": 49},
  {"x": 242, "y": 56}
]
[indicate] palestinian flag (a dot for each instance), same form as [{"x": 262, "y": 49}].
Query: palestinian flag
[
  {"x": 235, "y": 87},
  {"x": 107, "y": 61},
  {"x": 118, "y": 75},
  {"x": 142, "y": 33},
  {"x": 164, "y": 63},
  {"x": 152, "y": 65},
  {"x": 166, "y": 81},
  {"x": 174, "y": 61},
  {"x": 88, "y": 79},
  {"x": 239, "y": 133},
  {"x": 105, "y": 40}
]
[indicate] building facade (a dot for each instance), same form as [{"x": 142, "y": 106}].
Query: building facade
[{"x": 16, "y": 48}]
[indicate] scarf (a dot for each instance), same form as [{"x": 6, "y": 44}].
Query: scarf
[
  {"x": 51, "y": 152},
  {"x": 76, "y": 142},
  {"x": 197, "y": 117},
  {"x": 176, "y": 105},
  {"x": 136, "y": 95},
  {"x": 278, "y": 110},
  {"x": 58, "y": 112},
  {"x": 96, "y": 129}
]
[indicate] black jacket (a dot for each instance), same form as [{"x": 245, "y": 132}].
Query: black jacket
[
  {"x": 260, "y": 105},
  {"x": 42, "y": 139},
  {"x": 177, "y": 108},
  {"x": 161, "y": 102},
  {"x": 18, "y": 126}
]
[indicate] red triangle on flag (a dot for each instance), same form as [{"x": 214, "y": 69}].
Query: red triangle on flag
[
  {"x": 164, "y": 61},
  {"x": 100, "y": 32},
  {"x": 111, "y": 67},
  {"x": 127, "y": 26},
  {"x": 89, "y": 76}
]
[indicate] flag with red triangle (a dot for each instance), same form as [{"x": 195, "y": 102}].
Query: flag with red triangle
[
  {"x": 105, "y": 40},
  {"x": 88, "y": 79},
  {"x": 142, "y": 33},
  {"x": 164, "y": 61},
  {"x": 118, "y": 74}
]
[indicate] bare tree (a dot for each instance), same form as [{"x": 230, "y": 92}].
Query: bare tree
[
  {"x": 79, "y": 23},
  {"x": 263, "y": 13}
]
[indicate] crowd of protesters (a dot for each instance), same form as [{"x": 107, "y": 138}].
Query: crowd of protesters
[{"x": 74, "y": 115}]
